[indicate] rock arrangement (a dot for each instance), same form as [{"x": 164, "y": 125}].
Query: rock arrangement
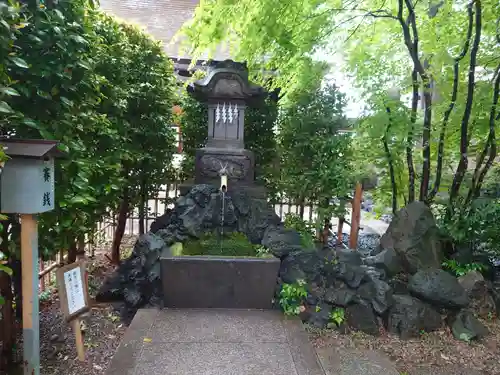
[
  {"x": 399, "y": 284},
  {"x": 137, "y": 280}
]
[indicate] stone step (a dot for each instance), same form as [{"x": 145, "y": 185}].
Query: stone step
[{"x": 214, "y": 342}]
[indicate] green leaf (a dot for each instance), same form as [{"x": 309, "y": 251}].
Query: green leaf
[
  {"x": 5, "y": 108},
  {"x": 78, "y": 199},
  {"x": 30, "y": 123},
  {"x": 6, "y": 269},
  {"x": 9, "y": 91},
  {"x": 2, "y": 300},
  {"x": 19, "y": 62},
  {"x": 84, "y": 65},
  {"x": 66, "y": 101},
  {"x": 79, "y": 39}
]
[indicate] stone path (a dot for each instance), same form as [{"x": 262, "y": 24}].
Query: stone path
[
  {"x": 230, "y": 342},
  {"x": 214, "y": 342}
]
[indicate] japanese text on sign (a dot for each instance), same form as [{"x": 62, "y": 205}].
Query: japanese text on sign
[{"x": 74, "y": 290}]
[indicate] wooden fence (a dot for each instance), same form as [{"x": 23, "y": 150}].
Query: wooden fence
[
  {"x": 166, "y": 197},
  {"x": 157, "y": 206}
]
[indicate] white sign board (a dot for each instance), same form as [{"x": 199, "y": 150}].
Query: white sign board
[
  {"x": 72, "y": 289},
  {"x": 75, "y": 290}
]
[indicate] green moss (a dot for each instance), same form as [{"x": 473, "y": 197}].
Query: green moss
[{"x": 232, "y": 244}]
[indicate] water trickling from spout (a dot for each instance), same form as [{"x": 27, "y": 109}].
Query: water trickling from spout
[{"x": 223, "y": 206}]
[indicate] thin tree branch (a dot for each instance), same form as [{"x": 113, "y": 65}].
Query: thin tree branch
[
  {"x": 409, "y": 140},
  {"x": 385, "y": 141},
  {"x": 462, "y": 165},
  {"x": 456, "y": 65},
  {"x": 491, "y": 145}
]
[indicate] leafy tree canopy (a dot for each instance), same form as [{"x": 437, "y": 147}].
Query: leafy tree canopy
[{"x": 315, "y": 157}]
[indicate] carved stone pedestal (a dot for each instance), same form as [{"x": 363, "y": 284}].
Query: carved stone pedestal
[{"x": 238, "y": 164}]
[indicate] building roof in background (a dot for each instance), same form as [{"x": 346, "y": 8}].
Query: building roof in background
[{"x": 162, "y": 19}]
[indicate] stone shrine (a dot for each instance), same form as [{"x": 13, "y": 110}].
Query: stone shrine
[{"x": 227, "y": 92}]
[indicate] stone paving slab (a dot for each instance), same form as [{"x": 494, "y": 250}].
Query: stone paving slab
[
  {"x": 340, "y": 361},
  {"x": 214, "y": 342}
]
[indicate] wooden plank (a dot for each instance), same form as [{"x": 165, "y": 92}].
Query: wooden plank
[
  {"x": 80, "y": 348},
  {"x": 31, "y": 323},
  {"x": 356, "y": 216}
]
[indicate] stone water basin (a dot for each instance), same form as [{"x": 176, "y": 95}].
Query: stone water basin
[{"x": 207, "y": 281}]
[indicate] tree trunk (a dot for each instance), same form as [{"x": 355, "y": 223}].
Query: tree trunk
[
  {"x": 388, "y": 155},
  {"x": 464, "y": 142},
  {"x": 454, "y": 92},
  {"x": 72, "y": 252},
  {"x": 143, "y": 200},
  {"x": 81, "y": 246},
  {"x": 409, "y": 140},
  {"x": 301, "y": 208},
  {"x": 340, "y": 230},
  {"x": 120, "y": 228},
  {"x": 490, "y": 147},
  {"x": 7, "y": 323}
]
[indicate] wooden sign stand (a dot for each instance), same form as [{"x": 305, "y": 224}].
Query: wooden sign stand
[
  {"x": 29, "y": 272},
  {"x": 74, "y": 299},
  {"x": 27, "y": 189}
]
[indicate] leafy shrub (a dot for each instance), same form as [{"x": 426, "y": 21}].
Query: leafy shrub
[
  {"x": 305, "y": 229},
  {"x": 231, "y": 244},
  {"x": 337, "y": 316},
  {"x": 292, "y": 297},
  {"x": 459, "y": 269},
  {"x": 473, "y": 226}
]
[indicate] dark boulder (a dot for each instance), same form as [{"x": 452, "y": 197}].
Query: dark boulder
[
  {"x": 465, "y": 326},
  {"x": 377, "y": 293},
  {"x": 138, "y": 277},
  {"x": 414, "y": 235},
  {"x": 318, "y": 316},
  {"x": 162, "y": 221},
  {"x": 399, "y": 286},
  {"x": 282, "y": 241},
  {"x": 300, "y": 265},
  {"x": 352, "y": 275},
  {"x": 361, "y": 317},
  {"x": 477, "y": 288},
  {"x": 112, "y": 289},
  {"x": 387, "y": 260},
  {"x": 339, "y": 296},
  {"x": 255, "y": 216},
  {"x": 408, "y": 317},
  {"x": 349, "y": 256},
  {"x": 439, "y": 288}
]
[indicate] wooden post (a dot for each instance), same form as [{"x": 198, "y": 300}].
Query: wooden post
[
  {"x": 42, "y": 278},
  {"x": 80, "y": 348},
  {"x": 340, "y": 231},
  {"x": 31, "y": 322},
  {"x": 356, "y": 216}
]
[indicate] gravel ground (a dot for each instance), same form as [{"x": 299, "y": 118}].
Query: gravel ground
[
  {"x": 433, "y": 353},
  {"x": 102, "y": 334},
  {"x": 102, "y": 328},
  {"x": 102, "y": 331}
]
